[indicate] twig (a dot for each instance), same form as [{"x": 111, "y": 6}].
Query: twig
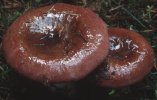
[
  {"x": 1, "y": 68},
  {"x": 130, "y": 14},
  {"x": 115, "y": 8},
  {"x": 135, "y": 18}
]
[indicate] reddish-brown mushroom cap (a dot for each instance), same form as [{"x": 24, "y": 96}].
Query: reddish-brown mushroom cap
[
  {"x": 56, "y": 43},
  {"x": 130, "y": 58}
]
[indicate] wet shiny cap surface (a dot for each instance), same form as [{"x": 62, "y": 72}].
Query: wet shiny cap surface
[
  {"x": 56, "y": 43},
  {"x": 130, "y": 58}
]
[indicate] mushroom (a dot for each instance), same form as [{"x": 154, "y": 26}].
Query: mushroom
[
  {"x": 56, "y": 43},
  {"x": 129, "y": 60}
]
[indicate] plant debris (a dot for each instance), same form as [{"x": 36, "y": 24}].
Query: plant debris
[{"x": 137, "y": 15}]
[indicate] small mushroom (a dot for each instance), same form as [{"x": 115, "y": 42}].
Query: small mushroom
[
  {"x": 56, "y": 43},
  {"x": 129, "y": 60}
]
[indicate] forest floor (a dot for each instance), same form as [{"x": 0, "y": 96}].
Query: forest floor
[{"x": 137, "y": 15}]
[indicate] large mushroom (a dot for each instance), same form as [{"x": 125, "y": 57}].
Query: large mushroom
[
  {"x": 129, "y": 60},
  {"x": 56, "y": 43}
]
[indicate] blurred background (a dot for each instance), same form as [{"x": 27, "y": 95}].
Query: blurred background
[{"x": 137, "y": 15}]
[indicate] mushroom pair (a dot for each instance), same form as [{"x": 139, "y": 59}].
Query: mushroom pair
[{"x": 62, "y": 43}]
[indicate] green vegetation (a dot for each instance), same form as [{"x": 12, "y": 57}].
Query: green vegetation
[{"x": 138, "y": 15}]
